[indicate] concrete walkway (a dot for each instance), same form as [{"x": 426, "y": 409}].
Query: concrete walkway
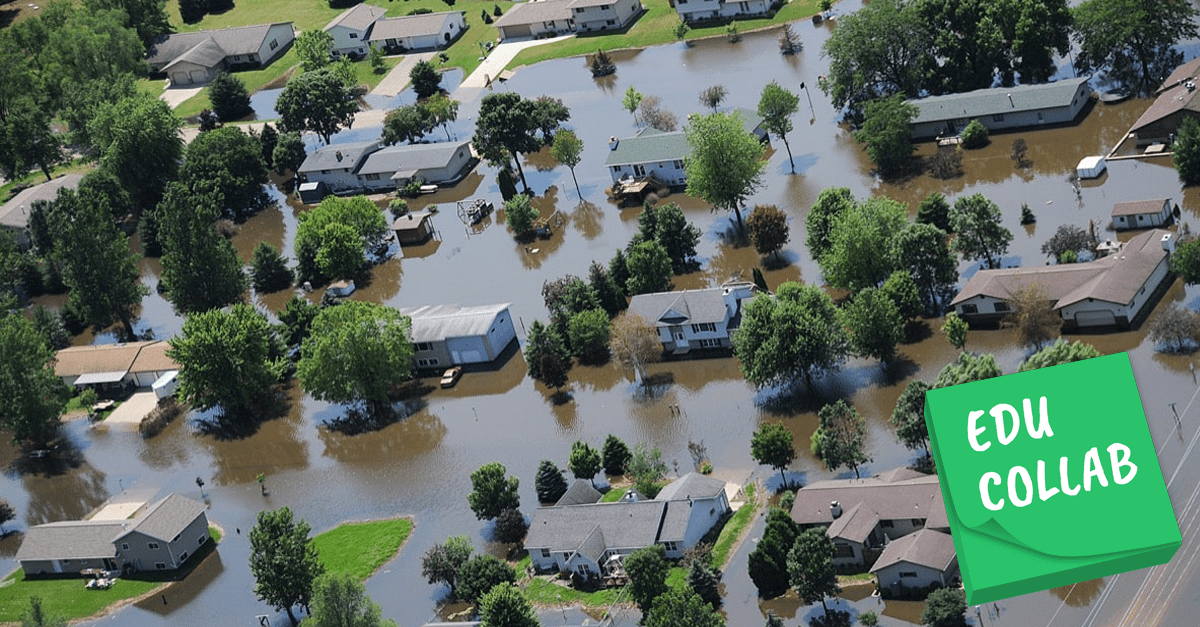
[
  {"x": 175, "y": 96},
  {"x": 495, "y": 63},
  {"x": 397, "y": 79},
  {"x": 133, "y": 410}
]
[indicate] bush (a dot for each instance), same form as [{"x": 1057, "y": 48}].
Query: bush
[
  {"x": 87, "y": 398},
  {"x": 1027, "y": 216},
  {"x": 787, "y": 500},
  {"x": 168, "y": 409},
  {"x": 706, "y": 468},
  {"x": 268, "y": 269},
  {"x": 398, "y": 207},
  {"x": 732, "y": 33},
  {"x": 975, "y": 135},
  {"x": 511, "y": 526}
]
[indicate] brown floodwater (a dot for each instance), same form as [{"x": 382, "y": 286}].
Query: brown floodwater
[{"x": 419, "y": 466}]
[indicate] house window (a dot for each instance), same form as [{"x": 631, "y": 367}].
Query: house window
[
  {"x": 1039, "y": 116},
  {"x": 704, "y": 327},
  {"x": 324, "y": 171},
  {"x": 843, "y": 550},
  {"x": 545, "y": 552},
  {"x": 176, "y": 538},
  {"x": 374, "y": 176},
  {"x": 639, "y": 169},
  {"x": 680, "y": 1},
  {"x": 202, "y": 539},
  {"x": 124, "y": 546},
  {"x": 424, "y": 346},
  {"x": 427, "y": 362},
  {"x": 911, "y": 574},
  {"x": 274, "y": 44},
  {"x": 1001, "y": 306},
  {"x": 153, "y": 546},
  {"x": 183, "y": 556},
  {"x": 970, "y": 309},
  {"x": 999, "y": 117},
  {"x": 237, "y": 57},
  {"x": 678, "y": 163},
  {"x": 886, "y": 524},
  {"x": 610, "y": 22},
  {"x": 160, "y": 565},
  {"x": 710, "y": 343},
  {"x": 671, "y": 546},
  {"x": 353, "y": 35}
]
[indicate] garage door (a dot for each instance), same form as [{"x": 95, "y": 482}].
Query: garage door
[
  {"x": 1097, "y": 318},
  {"x": 466, "y": 357},
  {"x": 517, "y": 30},
  {"x": 181, "y": 78},
  {"x": 199, "y": 76}
]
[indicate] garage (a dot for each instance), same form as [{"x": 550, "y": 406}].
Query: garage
[
  {"x": 516, "y": 30},
  {"x": 199, "y": 76},
  {"x": 180, "y": 78},
  {"x": 1095, "y": 318}
]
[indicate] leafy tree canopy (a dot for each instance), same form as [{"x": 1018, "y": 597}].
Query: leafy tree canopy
[
  {"x": 283, "y": 560},
  {"x": 794, "y": 335},
  {"x": 226, "y": 359},
  {"x": 317, "y": 101},
  {"x": 724, "y": 165},
  {"x": 492, "y": 492},
  {"x": 838, "y": 441},
  {"x": 1133, "y": 41},
  {"x": 1061, "y": 351},
  {"x": 887, "y": 132},
  {"x": 979, "y": 233},
  {"x": 772, "y": 445},
  {"x": 31, "y": 396}
]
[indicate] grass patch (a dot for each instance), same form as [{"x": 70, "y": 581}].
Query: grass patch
[
  {"x": 543, "y": 592},
  {"x": 359, "y": 549},
  {"x": 677, "y": 578},
  {"x": 656, "y": 26},
  {"x": 615, "y": 494},
  {"x": 856, "y": 578},
  {"x": 733, "y": 528},
  {"x": 65, "y": 598},
  {"x": 214, "y": 533}
]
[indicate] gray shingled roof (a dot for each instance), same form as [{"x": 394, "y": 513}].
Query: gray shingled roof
[
  {"x": 675, "y": 521},
  {"x": 684, "y": 307},
  {"x": 410, "y": 221},
  {"x": 594, "y": 545},
  {"x": 534, "y": 12},
  {"x": 169, "y": 517},
  {"x": 999, "y": 100},
  {"x": 206, "y": 53},
  {"x": 326, "y": 157},
  {"x": 925, "y": 547},
  {"x": 72, "y": 539},
  {"x": 411, "y": 25},
  {"x": 433, "y": 323},
  {"x": 359, "y": 17},
  {"x": 866, "y": 501},
  {"x": 15, "y": 212},
  {"x": 624, "y": 525},
  {"x": 649, "y": 145},
  {"x": 691, "y": 486},
  {"x": 580, "y": 492},
  {"x": 1138, "y": 206},
  {"x": 234, "y": 41},
  {"x": 411, "y": 157}
]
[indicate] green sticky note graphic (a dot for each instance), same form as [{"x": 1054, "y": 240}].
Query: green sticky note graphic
[{"x": 1050, "y": 478}]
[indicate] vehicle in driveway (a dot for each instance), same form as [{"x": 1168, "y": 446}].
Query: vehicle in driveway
[{"x": 450, "y": 377}]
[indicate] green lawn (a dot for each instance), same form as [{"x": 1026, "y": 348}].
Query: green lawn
[
  {"x": 656, "y": 26},
  {"x": 615, "y": 494},
  {"x": 733, "y": 529},
  {"x": 359, "y": 549},
  {"x": 543, "y": 592}
]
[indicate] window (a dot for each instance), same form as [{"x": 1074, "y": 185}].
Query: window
[
  {"x": 427, "y": 362},
  {"x": 843, "y": 550},
  {"x": 970, "y": 309},
  {"x": 274, "y": 44},
  {"x": 710, "y": 343},
  {"x": 160, "y": 565},
  {"x": 579, "y": 10},
  {"x": 1001, "y": 306},
  {"x": 237, "y": 57},
  {"x": 353, "y": 35},
  {"x": 324, "y": 171},
  {"x": 886, "y": 524},
  {"x": 639, "y": 169},
  {"x": 1039, "y": 116},
  {"x": 124, "y": 546},
  {"x": 999, "y": 117},
  {"x": 610, "y": 22},
  {"x": 545, "y": 552},
  {"x": 678, "y": 163},
  {"x": 202, "y": 539},
  {"x": 153, "y": 546},
  {"x": 374, "y": 176},
  {"x": 671, "y": 546},
  {"x": 908, "y": 574},
  {"x": 183, "y": 556},
  {"x": 424, "y": 346},
  {"x": 176, "y": 538}
]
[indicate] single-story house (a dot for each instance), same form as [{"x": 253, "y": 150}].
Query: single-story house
[
  {"x": 862, "y": 516},
  {"x": 1111, "y": 291},
  {"x": 590, "y": 539},
  {"x": 596, "y": 15},
  {"x": 352, "y": 28},
  {"x": 1174, "y": 100},
  {"x": 336, "y": 165},
  {"x": 450, "y": 335},
  {"x": 428, "y": 31},
  {"x": 536, "y": 19},
  {"x": 691, "y": 319},
  {"x": 160, "y": 537},
  {"x": 190, "y": 58},
  {"x": 918, "y": 560},
  {"x": 134, "y": 364},
  {"x": 651, "y": 152},
  {"x": 395, "y": 166},
  {"x": 998, "y": 108},
  {"x": 693, "y": 10},
  {"x": 1141, "y": 214},
  {"x": 14, "y": 214},
  {"x": 413, "y": 228}
]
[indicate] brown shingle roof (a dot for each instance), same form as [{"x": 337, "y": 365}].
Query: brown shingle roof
[
  {"x": 1138, "y": 206},
  {"x": 79, "y": 360},
  {"x": 534, "y": 12},
  {"x": 866, "y": 501},
  {"x": 153, "y": 358},
  {"x": 925, "y": 547},
  {"x": 1173, "y": 96},
  {"x": 410, "y": 221}
]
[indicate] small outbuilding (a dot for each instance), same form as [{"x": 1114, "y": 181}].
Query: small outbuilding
[
  {"x": 1141, "y": 214},
  {"x": 413, "y": 228},
  {"x": 1090, "y": 167},
  {"x": 312, "y": 192}
]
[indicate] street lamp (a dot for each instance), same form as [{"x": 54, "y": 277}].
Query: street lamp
[{"x": 810, "y": 102}]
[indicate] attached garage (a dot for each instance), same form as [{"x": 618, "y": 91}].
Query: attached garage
[
  {"x": 180, "y": 78},
  {"x": 1095, "y": 318},
  {"x": 516, "y": 30},
  {"x": 199, "y": 76}
]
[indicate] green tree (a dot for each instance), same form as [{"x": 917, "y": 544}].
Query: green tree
[
  {"x": 354, "y": 353},
  {"x": 268, "y": 270},
  {"x": 296, "y": 317},
  {"x": 201, "y": 269},
  {"x": 908, "y": 418},
  {"x": 884, "y": 49},
  {"x": 567, "y": 149},
  {"x": 550, "y": 483},
  {"x": 1069, "y": 238},
  {"x": 137, "y": 139},
  {"x": 406, "y": 124},
  {"x": 683, "y": 607},
  {"x": 979, "y": 233},
  {"x": 887, "y": 132},
  {"x": 725, "y": 163},
  {"x": 441, "y": 562},
  {"x": 147, "y": 17},
  {"x": 492, "y": 492},
  {"x": 934, "y": 210},
  {"x": 480, "y": 574},
  {"x": 974, "y": 135},
  {"x": 1176, "y": 329},
  {"x": 547, "y": 356},
  {"x": 649, "y": 269},
  {"x": 1131, "y": 41},
  {"x": 647, "y": 569},
  {"x": 441, "y": 110},
  {"x": 965, "y": 368},
  {"x": 548, "y": 114},
  {"x": 314, "y": 47},
  {"x": 1062, "y": 351},
  {"x": 858, "y": 244},
  {"x": 585, "y": 461},
  {"x": 794, "y": 335},
  {"x": 229, "y": 98},
  {"x": 340, "y": 601},
  {"x": 868, "y": 619},
  {"x": 838, "y": 441},
  {"x": 283, "y": 561},
  {"x": 810, "y": 567},
  {"x": 49, "y": 326},
  {"x": 505, "y": 606},
  {"x": 1186, "y": 151},
  {"x": 902, "y": 291},
  {"x": 633, "y": 343},
  {"x": 615, "y": 455},
  {"x": 506, "y": 128},
  {"x": 226, "y": 360},
  {"x": 288, "y": 153},
  {"x": 955, "y": 329},
  {"x": 317, "y": 101},
  {"x": 1031, "y": 312},
  {"x": 874, "y": 325},
  {"x": 667, "y": 225},
  {"x": 712, "y": 97},
  {"x": 588, "y": 334},
  {"x": 772, "y": 445},
  {"x": 768, "y": 560},
  {"x": 35, "y": 616},
  {"x": 228, "y": 162},
  {"x": 610, "y": 296},
  {"x": 89, "y": 44},
  {"x": 27, "y": 140},
  {"x": 192, "y": 11},
  {"x": 923, "y": 250},
  {"x": 31, "y": 396},
  {"x": 631, "y": 101},
  {"x": 776, "y": 106},
  {"x": 426, "y": 80},
  {"x": 520, "y": 214},
  {"x": 705, "y": 581},
  {"x": 831, "y": 203},
  {"x": 946, "y": 607},
  {"x": 768, "y": 229},
  {"x": 322, "y": 230},
  {"x": 681, "y": 31},
  {"x": 647, "y": 468}
]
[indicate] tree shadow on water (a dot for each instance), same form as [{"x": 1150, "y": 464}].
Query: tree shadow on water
[
  {"x": 653, "y": 387},
  {"x": 357, "y": 420},
  {"x": 62, "y": 457},
  {"x": 833, "y": 618},
  {"x": 226, "y": 426}
]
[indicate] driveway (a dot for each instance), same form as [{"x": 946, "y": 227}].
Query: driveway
[
  {"x": 174, "y": 96},
  {"x": 397, "y": 79},
  {"x": 133, "y": 410},
  {"x": 495, "y": 63}
]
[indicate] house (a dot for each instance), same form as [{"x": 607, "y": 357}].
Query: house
[
  {"x": 599, "y": 15},
  {"x": 159, "y": 537},
  {"x": 1021, "y": 106},
  {"x": 195, "y": 57},
  {"x": 536, "y": 19},
  {"x": 413, "y": 228},
  {"x": 1141, "y": 214},
  {"x": 580, "y": 492},
  {"x": 1174, "y": 100},
  {"x": 696, "y": 10},
  {"x": 589, "y": 539},
  {"x": 450, "y": 335},
  {"x": 395, "y": 166},
  {"x": 429, "y": 31},
  {"x": 14, "y": 214},
  {"x": 336, "y": 165},
  {"x": 651, "y": 152},
  {"x": 862, "y": 516},
  {"x": 351, "y": 28},
  {"x": 130, "y": 364},
  {"x": 1111, "y": 291},
  {"x": 918, "y": 560},
  {"x": 692, "y": 319}
]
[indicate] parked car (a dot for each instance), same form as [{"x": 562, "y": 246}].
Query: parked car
[{"x": 450, "y": 377}]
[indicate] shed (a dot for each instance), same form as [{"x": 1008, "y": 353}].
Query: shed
[
  {"x": 1141, "y": 214},
  {"x": 1090, "y": 167},
  {"x": 165, "y": 385},
  {"x": 313, "y": 192},
  {"x": 413, "y": 228}
]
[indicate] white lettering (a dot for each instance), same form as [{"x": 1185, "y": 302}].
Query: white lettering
[
  {"x": 1043, "y": 428},
  {"x": 1092, "y": 468},
  {"x": 1043, "y": 493},
  {"x": 989, "y": 478},
  {"x": 1062, "y": 472},
  {"x": 1118, "y": 462},
  {"x": 973, "y": 435},
  {"x": 998, "y": 413},
  {"x": 1012, "y": 486}
]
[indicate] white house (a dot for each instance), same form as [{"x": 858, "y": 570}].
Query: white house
[
  {"x": 337, "y": 165},
  {"x": 136, "y": 364},
  {"x": 651, "y": 152},
  {"x": 450, "y": 335},
  {"x": 1111, "y": 291},
  {"x": 693, "y": 319},
  {"x": 14, "y": 214},
  {"x": 352, "y": 27},
  {"x": 590, "y": 539},
  {"x": 395, "y": 166},
  {"x": 1141, "y": 214},
  {"x": 598, "y": 15},
  {"x": 918, "y": 560},
  {"x": 428, "y": 31},
  {"x": 693, "y": 10},
  {"x": 536, "y": 19},
  {"x": 195, "y": 57},
  {"x": 1020, "y": 106}
]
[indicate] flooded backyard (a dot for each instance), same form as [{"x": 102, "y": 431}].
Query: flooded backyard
[{"x": 419, "y": 466}]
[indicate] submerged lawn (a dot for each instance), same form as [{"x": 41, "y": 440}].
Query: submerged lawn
[{"x": 360, "y": 548}]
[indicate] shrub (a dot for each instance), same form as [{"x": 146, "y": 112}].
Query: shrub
[
  {"x": 87, "y": 398},
  {"x": 398, "y": 207},
  {"x": 975, "y": 135},
  {"x": 153, "y": 423},
  {"x": 496, "y": 10},
  {"x": 732, "y": 33},
  {"x": 511, "y": 526},
  {"x": 1027, "y": 216},
  {"x": 706, "y": 468}
]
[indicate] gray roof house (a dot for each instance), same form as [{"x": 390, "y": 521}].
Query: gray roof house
[
  {"x": 14, "y": 214},
  {"x": 692, "y": 319},
  {"x": 352, "y": 28},
  {"x": 450, "y": 335},
  {"x": 427, "y": 31},
  {"x": 160, "y": 536},
  {"x": 337, "y": 165},
  {"x": 660, "y": 153},
  {"x": 1020, "y": 106},
  {"x": 917, "y": 560},
  {"x": 190, "y": 58},
  {"x": 590, "y": 539},
  {"x": 580, "y": 492},
  {"x": 533, "y": 19},
  {"x": 393, "y": 167}
]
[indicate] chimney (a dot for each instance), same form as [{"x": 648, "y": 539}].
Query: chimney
[
  {"x": 613, "y": 142},
  {"x": 338, "y": 155},
  {"x": 1168, "y": 243},
  {"x": 835, "y": 509}
]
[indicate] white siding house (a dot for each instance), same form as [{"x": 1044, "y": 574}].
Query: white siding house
[
  {"x": 450, "y": 335},
  {"x": 598, "y": 15},
  {"x": 1021, "y": 106},
  {"x": 1141, "y": 214},
  {"x": 536, "y": 19},
  {"x": 660, "y": 154},
  {"x": 195, "y": 57},
  {"x": 694, "y": 319},
  {"x": 393, "y": 167},
  {"x": 337, "y": 165},
  {"x": 429, "y": 31},
  {"x": 352, "y": 28},
  {"x": 693, "y": 10}
]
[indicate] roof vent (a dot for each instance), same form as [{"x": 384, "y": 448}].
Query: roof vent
[
  {"x": 835, "y": 509},
  {"x": 1010, "y": 101},
  {"x": 338, "y": 155}
]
